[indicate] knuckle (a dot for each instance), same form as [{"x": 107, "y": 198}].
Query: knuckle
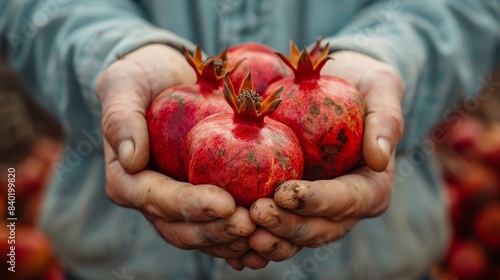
[{"x": 388, "y": 74}]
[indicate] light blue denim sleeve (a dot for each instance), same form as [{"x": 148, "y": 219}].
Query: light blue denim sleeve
[
  {"x": 73, "y": 40},
  {"x": 442, "y": 48}
]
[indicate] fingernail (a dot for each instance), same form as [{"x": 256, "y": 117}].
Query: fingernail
[
  {"x": 232, "y": 231},
  {"x": 125, "y": 153},
  {"x": 384, "y": 146},
  {"x": 270, "y": 249},
  {"x": 271, "y": 222},
  {"x": 213, "y": 214},
  {"x": 239, "y": 245}
]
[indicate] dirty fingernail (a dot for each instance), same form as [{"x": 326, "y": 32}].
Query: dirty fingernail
[
  {"x": 232, "y": 231},
  {"x": 271, "y": 222},
  {"x": 270, "y": 249},
  {"x": 239, "y": 245},
  {"x": 213, "y": 214}
]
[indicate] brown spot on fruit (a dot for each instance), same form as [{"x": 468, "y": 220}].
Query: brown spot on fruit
[
  {"x": 314, "y": 110},
  {"x": 338, "y": 109},
  {"x": 251, "y": 158},
  {"x": 270, "y": 205}
]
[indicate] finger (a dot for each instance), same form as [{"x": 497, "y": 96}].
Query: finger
[
  {"x": 124, "y": 101},
  {"x": 272, "y": 247},
  {"x": 232, "y": 250},
  {"x": 300, "y": 230},
  {"x": 194, "y": 235},
  {"x": 126, "y": 89},
  {"x": 359, "y": 194},
  {"x": 254, "y": 260},
  {"x": 161, "y": 197},
  {"x": 236, "y": 264},
  {"x": 383, "y": 91}
]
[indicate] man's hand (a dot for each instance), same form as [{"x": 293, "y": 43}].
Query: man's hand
[
  {"x": 312, "y": 214},
  {"x": 189, "y": 217}
]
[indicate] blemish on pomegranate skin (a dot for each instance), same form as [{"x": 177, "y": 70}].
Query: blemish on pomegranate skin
[
  {"x": 341, "y": 137},
  {"x": 149, "y": 190},
  {"x": 314, "y": 110},
  {"x": 220, "y": 152},
  {"x": 270, "y": 205},
  {"x": 338, "y": 109}
]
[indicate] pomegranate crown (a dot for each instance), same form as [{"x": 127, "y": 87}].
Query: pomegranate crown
[
  {"x": 248, "y": 103},
  {"x": 306, "y": 65},
  {"x": 209, "y": 72}
]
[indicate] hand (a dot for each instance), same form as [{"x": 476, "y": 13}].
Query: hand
[
  {"x": 312, "y": 214},
  {"x": 189, "y": 217}
]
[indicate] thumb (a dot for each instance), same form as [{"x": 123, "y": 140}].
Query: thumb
[
  {"x": 384, "y": 91},
  {"x": 124, "y": 96}
]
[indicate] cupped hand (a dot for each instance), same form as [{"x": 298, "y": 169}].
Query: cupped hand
[
  {"x": 312, "y": 214},
  {"x": 189, "y": 217}
]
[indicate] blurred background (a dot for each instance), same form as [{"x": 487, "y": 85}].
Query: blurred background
[
  {"x": 31, "y": 141},
  {"x": 468, "y": 146}
]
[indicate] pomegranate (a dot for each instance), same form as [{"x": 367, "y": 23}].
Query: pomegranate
[
  {"x": 467, "y": 260},
  {"x": 176, "y": 110},
  {"x": 32, "y": 250},
  {"x": 478, "y": 185},
  {"x": 265, "y": 65},
  {"x": 455, "y": 203},
  {"x": 487, "y": 228},
  {"x": 325, "y": 112},
  {"x": 243, "y": 152}
]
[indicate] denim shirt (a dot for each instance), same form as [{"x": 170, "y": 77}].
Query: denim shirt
[{"x": 443, "y": 49}]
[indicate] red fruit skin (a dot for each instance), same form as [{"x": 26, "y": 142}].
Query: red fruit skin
[
  {"x": 173, "y": 113},
  {"x": 455, "y": 204},
  {"x": 327, "y": 115},
  {"x": 54, "y": 272},
  {"x": 250, "y": 46},
  {"x": 464, "y": 134},
  {"x": 478, "y": 185},
  {"x": 265, "y": 65},
  {"x": 467, "y": 260},
  {"x": 487, "y": 228},
  {"x": 247, "y": 160},
  {"x": 32, "y": 251}
]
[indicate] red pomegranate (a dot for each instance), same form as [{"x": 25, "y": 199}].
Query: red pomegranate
[
  {"x": 265, "y": 65},
  {"x": 467, "y": 260},
  {"x": 176, "y": 110},
  {"x": 243, "y": 152},
  {"x": 487, "y": 228},
  {"x": 325, "y": 112},
  {"x": 32, "y": 250}
]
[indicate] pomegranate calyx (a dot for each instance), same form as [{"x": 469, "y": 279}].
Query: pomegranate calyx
[
  {"x": 306, "y": 65},
  {"x": 248, "y": 104},
  {"x": 209, "y": 72}
]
